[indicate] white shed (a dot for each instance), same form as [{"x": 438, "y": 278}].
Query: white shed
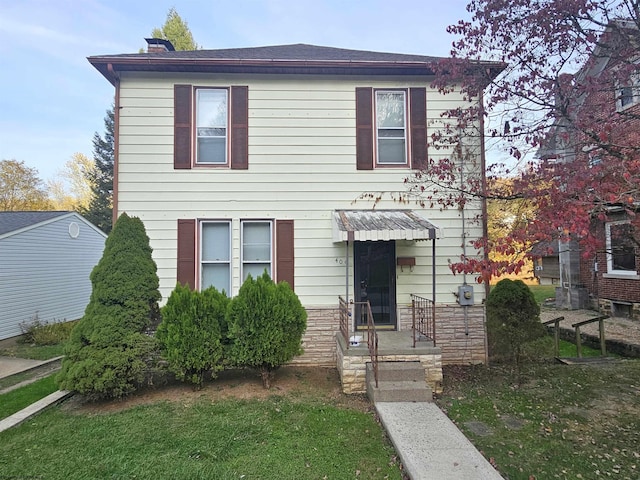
[{"x": 45, "y": 262}]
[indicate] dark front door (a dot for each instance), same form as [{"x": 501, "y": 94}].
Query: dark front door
[{"x": 375, "y": 280}]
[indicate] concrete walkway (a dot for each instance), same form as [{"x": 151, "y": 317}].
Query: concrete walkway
[
  {"x": 430, "y": 445},
  {"x": 11, "y": 365},
  {"x": 33, "y": 409}
]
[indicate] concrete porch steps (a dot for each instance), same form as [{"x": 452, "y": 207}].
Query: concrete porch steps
[{"x": 398, "y": 382}]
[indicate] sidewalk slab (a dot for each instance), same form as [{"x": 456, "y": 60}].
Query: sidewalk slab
[
  {"x": 430, "y": 445},
  {"x": 33, "y": 409},
  {"x": 11, "y": 365}
]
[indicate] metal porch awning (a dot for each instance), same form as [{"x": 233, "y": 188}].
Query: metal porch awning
[{"x": 372, "y": 225}]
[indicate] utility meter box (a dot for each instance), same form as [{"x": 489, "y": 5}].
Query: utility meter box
[{"x": 465, "y": 294}]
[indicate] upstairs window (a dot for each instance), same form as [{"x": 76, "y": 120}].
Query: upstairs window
[
  {"x": 216, "y": 133},
  {"x": 621, "y": 256},
  {"x": 211, "y": 126},
  {"x": 391, "y": 127}
]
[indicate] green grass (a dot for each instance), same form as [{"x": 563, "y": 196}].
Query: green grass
[
  {"x": 33, "y": 352},
  {"x": 20, "y": 398},
  {"x": 229, "y": 439},
  {"x": 542, "y": 292},
  {"x": 568, "y": 349},
  {"x": 565, "y": 422}
]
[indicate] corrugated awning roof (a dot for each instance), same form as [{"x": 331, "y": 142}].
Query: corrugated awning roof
[{"x": 372, "y": 225}]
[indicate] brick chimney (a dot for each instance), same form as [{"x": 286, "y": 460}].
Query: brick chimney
[{"x": 159, "y": 45}]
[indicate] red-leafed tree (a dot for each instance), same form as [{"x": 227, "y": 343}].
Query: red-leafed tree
[{"x": 570, "y": 91}]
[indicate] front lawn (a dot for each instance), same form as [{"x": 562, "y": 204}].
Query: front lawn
[
  {"x": 302, "y": 429},
  {"x": 558, "y": 422}
]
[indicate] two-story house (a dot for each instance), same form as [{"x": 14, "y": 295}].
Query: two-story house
[
  {"x": 599, "y": 131},
  {"x": 251, "y": 159}
]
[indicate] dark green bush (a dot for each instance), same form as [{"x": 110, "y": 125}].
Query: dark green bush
[
  {"x": 266, "y": 323},
  {"x": 190, "y": 332},
  {"x": 107, "y": 354},
  {"x": 513, "y": 320}
]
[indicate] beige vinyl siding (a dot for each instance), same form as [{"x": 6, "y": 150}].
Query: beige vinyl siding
[
  {"x": 302, "y": 166},
  {"x": 45, "y": 272}
]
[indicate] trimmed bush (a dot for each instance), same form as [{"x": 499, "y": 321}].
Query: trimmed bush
[
  {"x": 513, "y": 320},
  {"x": 266, "y": 322},
  {"x": 190, "y": 332},
  {"x": 107, "y": 354}
]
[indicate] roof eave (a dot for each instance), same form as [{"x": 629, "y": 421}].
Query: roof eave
[{"x": 110, "y": 67}]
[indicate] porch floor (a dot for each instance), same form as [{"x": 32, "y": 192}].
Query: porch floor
[{"x": 390, "y": 343}]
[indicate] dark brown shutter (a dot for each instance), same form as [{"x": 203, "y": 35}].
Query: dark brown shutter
[
  {"x": 182, "y": 101},
  {"x": 418, "y": 126},
  {"x": 187, "y": 253},
  {"x": 240, "y": 128},
  {"x": 364, "y": 128},
  {"x": 284, "y": 251}
]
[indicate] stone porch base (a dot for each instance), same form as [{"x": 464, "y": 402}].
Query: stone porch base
[{"x": 392, "y": 347}]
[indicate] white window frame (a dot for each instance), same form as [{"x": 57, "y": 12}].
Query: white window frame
[
  {"x": 634, "y": 96},
  {"x": 198, "y": 127},
  {"x": 404, "y": 129},
  {"x": 243, "y": 260},
  {"x": 609, "y": 245},
  {"x": 227, "y": 261}
]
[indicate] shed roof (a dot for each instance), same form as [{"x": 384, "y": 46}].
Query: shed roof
[{"x": 11, "y": 221}]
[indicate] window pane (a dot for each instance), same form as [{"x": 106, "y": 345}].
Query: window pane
[
  {"x": 211, "y": 109},
  {"x": 256, "y": 248},
  {"x": 216, "y": 275},
  {"x": 256, "y": 241},
  {"x": 212, "y": 150},
  {"x": 391, "y": 150},
  {"x": 215, "y": 242},
  {"x": 390, "y": 109},
  {"x": 211, "y": 123},
  {"x": 622, "y": 248},
  {"x": 255, "y": 269}
]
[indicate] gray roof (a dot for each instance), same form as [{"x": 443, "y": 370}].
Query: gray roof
[
  {"x": 11, "y": 221},
  {"x": 298, "y": 59},
  {"x": 297, "y": 52}
]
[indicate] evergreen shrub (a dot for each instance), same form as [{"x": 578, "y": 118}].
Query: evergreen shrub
[
  {"x": 266, "y": 322},
  {"x": 108, "y": 352},
  {"x": 513, "y": 320},
  {"x": 190, "y": 333}
]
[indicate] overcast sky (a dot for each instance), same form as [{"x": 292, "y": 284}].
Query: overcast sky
[{"x": 53, "y": 100}]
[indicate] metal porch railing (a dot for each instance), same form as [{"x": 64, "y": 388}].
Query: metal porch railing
[
  {"x": 364, "y": 309},
  {"x": 423, "y": 324}
]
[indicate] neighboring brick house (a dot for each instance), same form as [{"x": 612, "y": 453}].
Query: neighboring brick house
[
  {"x": 241, "y": 160},
  {"x": 610, "y": 280}
]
